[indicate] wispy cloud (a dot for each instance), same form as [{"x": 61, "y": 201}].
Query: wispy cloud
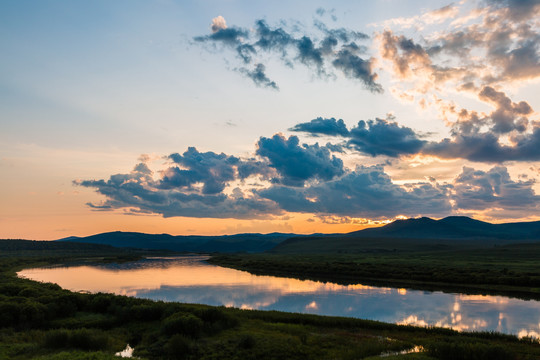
[{"x": 326, "y": 52}]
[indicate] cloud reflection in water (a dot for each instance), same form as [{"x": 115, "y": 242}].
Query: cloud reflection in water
[{"x": 191, "y": 280}]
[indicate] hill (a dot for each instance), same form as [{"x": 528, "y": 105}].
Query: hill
[
  {"x": 189, "y": 243},
  {"x": 416, "y": 234},
  {"x": 410, "y": 234}
]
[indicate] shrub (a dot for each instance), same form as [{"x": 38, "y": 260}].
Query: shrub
[
  {"x": 185, "y": 324},
  {"x": 247, "y": 341},
  {"x": 56, "y": 339},
  {"x": 456, "y": 350},
  {"x": 178, "y": 347},
  {"x": 85, "y": 339}
]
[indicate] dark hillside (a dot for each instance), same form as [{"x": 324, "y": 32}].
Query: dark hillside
[
  {"x": 189, "y": 243},
  {"x": 417, "y": 234}
]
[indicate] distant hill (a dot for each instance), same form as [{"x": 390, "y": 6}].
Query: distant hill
[
  {"x": 407, "y": 234},
  {"x": 453, "y": 227},
  {"x": 415, "y": 234},
  {"x": 188, "y": 243}
]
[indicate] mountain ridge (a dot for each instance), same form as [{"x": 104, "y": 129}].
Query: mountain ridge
[{"x": 426, "y": 230}]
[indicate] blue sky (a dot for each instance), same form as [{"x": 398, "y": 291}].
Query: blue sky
[{"x": 447, "y": 125}]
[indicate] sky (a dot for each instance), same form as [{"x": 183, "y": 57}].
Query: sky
[{"x": 221, "y": 117}]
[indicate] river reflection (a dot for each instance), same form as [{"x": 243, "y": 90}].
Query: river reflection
[{"x": 191, "y": 280}]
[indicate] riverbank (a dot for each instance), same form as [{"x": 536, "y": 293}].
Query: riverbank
[
  {"x": 503, "y": 270},
  {"x": 43, "y": 321}
]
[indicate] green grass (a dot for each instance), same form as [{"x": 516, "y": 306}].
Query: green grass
[
  {"x": 508, "y": 270},
  {"x": 42, "y": 321}
]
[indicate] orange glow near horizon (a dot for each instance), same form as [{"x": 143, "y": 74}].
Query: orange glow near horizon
[
  {"x": 126, "y": 282},
  {"x": 84, "y": 222}
]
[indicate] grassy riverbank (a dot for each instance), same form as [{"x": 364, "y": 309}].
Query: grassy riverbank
[
  {"x": 507, "y": 270},
  {"x": 42, "y": 321}
]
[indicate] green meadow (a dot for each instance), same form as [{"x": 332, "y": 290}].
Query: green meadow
[
  {"x": 512, "y": 270},
  {"x": 43, "y": 321}
]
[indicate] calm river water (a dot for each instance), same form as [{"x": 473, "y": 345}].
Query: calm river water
[{"x": 192, "y": 280}]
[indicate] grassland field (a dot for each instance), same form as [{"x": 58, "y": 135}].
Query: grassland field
[{"x": 43, "y": 321}]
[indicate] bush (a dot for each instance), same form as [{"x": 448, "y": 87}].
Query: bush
[
  {"x": 456, "y": 350},
  {"x": 83, "y": 339},
  {"x": 146, "y": 312},
  {"x": 185, "y": 324},
  {"x": 178, "y": 347},
  {"x": 216, "y": 319},
  {"x": 56, "y": 339},
  {"x": 8, "y": 314},
  {"x": 247, "y": 341}
]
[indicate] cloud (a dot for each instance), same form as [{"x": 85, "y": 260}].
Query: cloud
[
  {"x": 259, "y": 77},
  {"x": 333, "y": 50},
  {"x": 298, "y": 163},
  {"x": 508, "y": 116},
  {"x": 494, "y": 189},
  {"x": 372, "y": 137},
  {"x": 218, "y": 23},
  {"x": 485, "y": 147},
  {"x": 341, "y": 34},
  {"x": 364, "y": 192},
  {"x": 221, "y": 33},
  {"x": 516, "y": 10},
  {"x": 489, "y": 48},
  {"x": 289, "y": 177},
  {"x": 322, "y": 126},
  {"x": 176, "y": 195},
  {"x": 357, "y": 68},
  {"x": 212, "y": 170},
  {"x": 405, "y": 55},
  {"x": 308, "y": 54},
  {"x": 483, "y": 55},
  {"x": 272, "y": 39},
  {"x": 383, "y": 137}
]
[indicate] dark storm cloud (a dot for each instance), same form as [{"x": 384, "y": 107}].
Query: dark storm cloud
[
  {"x": 298, "y": 163},
  {"x": 335, "y": 50},
  {"x": 322, "y": 126},
  {"x": 364, "y": 192}
]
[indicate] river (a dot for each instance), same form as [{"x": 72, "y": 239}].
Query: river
[{"x": 190, "y": 279}]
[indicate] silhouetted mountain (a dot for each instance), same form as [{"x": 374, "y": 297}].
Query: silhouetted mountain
[
  {"x": 189, "y": 243},
  {"x": 417, "y": 233},
  {"x": 453, "y": 227},
  {"x": 400, "y": 234}
]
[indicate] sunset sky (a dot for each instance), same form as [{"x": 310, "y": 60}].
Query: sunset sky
[{"x": 220, "y": 117}]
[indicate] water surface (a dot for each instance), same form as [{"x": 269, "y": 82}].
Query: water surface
[{"x": 192, "y": 280}]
